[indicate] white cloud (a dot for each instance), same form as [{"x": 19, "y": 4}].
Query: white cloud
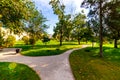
[
  {"x": 73, "y": 4},
  {"x": 46, "y": 9},
  {"x": 68, "y": 3}
]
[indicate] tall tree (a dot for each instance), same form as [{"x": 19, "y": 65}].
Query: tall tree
[
  {"x": 112, "y": 19},
  {"x": 101, "y": 28},
  {"x": 96, "y": 11},
  {"x": 58, "y": 9}
]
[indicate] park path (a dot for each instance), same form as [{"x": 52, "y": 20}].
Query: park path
[{"x": 48, "y": 67}]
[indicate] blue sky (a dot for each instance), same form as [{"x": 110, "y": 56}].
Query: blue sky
[{"x": 72, "y": 6}]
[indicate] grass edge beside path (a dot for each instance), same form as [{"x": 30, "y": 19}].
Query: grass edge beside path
[
  {"x": 50, "y": 49},
  {"x": 17, "y": 71},
  {"x": 86, "y": 65}
]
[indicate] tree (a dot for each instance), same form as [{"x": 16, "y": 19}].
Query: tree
[
  {"x": 96, "y": 12},
  {"x": 36, "y": 27},
  {"x": 58, "y": 9},
  {"x": 15, "y": 12},
  {"x": 88, "y": 34},
  {"x": 45, "y": 39},
  {"x": 112, "y": 9},
  {"x": 67, "y": 28},
  {"x": 78, "y": 23}
]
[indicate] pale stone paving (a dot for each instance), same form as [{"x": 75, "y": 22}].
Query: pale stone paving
[{"x": 48, "y": 68}]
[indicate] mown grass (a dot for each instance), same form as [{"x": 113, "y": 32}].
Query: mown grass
[
  {"x": 15, "y": 71},
  {"x": 87, "y": 65},
  {"x": 40, "y": 49}
]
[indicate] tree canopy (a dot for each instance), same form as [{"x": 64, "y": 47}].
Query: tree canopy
[{"x": 14, "y": 12}]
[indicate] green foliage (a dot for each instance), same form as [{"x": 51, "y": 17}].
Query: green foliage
[
  {"x": 1, "y": 40},
  {"x": 25, "y": 39},
  {"x": 78, "y": 23},
  {"x": 112, "y": 20},
  {"x": 36, "y": 27},
  {"x": 32, "y": 41},
  {"x": 45, "y": 39},
  {"x": 1, "y": 37},
  {"x": 10, "y": 41},
  {"x": 59, "y": 9},
  {"x": 15, "y": 71},
  {"x": 15, "y": 13}
]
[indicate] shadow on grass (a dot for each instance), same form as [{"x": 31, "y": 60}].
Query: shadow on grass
[
  {"x": 108, "y": 52},
  {"x": 87, "y": 65}
]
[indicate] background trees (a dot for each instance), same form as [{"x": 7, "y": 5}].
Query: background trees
[
  {"x": 22, "y": 16},
  {"x": 36, "y": 27}
]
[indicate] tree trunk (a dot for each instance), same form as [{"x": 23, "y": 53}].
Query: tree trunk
[
  {"x": 61, "y": 39},
  {"x": 92, "y": 44},
  {"x": 61, "y": 34},
  {"x": 68, "y": 37},
  {"x": 101, "y": 30},
  {"x": 78, "y": 40},
  {"x": 115, "y": 43},
  {"x": 86, "y": 41}
]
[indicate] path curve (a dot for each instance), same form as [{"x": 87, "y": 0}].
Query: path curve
[{"x": 48, "y": 67}]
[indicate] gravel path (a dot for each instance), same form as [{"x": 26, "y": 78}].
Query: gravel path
[{"x": 48, "y": 68}]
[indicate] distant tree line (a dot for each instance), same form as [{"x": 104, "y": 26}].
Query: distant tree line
[{"x": 101, "y": 24}]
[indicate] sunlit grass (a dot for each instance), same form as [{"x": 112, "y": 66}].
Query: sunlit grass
[
  {"x": 52, "y": 48},
  {"x": 87, "y": 65},
  {"x": 15, "y": 71}
]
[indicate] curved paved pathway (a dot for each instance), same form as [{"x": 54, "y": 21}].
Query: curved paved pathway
[{"x": 48, "y": 68}]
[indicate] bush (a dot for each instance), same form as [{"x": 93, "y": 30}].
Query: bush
[
  {"x": 10, "y": 41},
  {"x": 1, "y": 40},
  {"x": 32, "y": 41},
  {"x": 25, "y": 39},
  {"x": 45, "y": 40}
]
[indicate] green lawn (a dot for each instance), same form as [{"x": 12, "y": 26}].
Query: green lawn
[
  {"x": 40, "y": 49},
  {"x": 87, "y": 65},
  {"x": 15, "y": 71}
]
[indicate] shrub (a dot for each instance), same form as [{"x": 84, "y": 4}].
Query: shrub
[
  {"x": 45, "y": 40},
  {"x": 32, "y": 41},
  {"x": 10, "y": 41},
  {"x": 25, "y": 39},
  {"x": 1, "y": 40}
]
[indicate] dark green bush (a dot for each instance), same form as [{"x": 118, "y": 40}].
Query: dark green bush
[
  {"x": 32, "y": 41},
  {"x": 45, "y": 40}
]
